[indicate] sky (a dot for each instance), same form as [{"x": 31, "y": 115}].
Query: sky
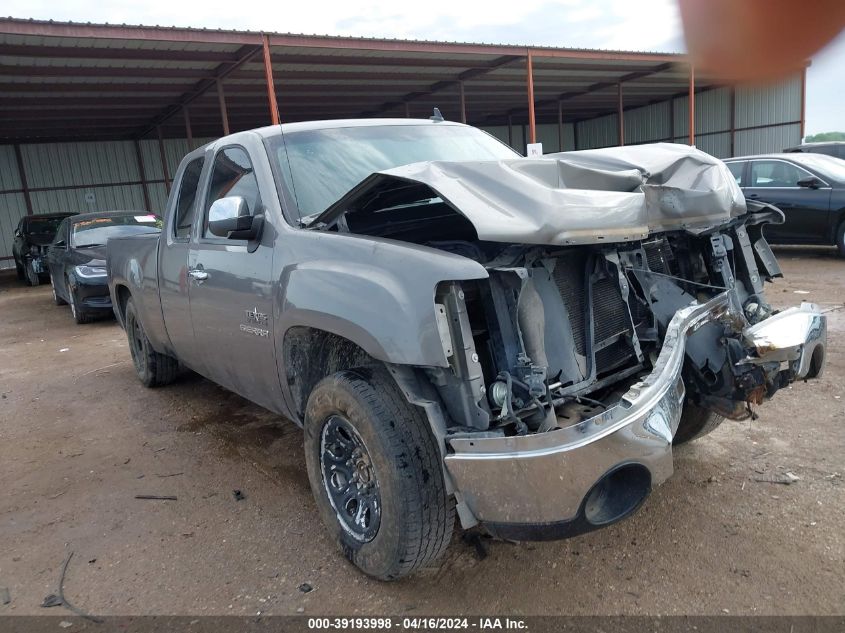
[{"x": 646, "y": 25}]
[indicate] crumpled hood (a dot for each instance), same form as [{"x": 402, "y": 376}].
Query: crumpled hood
[{"x": 610, "y": 194}]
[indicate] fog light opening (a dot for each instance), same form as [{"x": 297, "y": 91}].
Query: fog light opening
[{"x": 617, "y": 494}]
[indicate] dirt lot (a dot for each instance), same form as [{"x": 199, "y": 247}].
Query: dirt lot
[{"x": 80, "y": 437}]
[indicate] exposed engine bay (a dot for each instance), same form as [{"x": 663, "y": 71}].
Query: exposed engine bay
[
  {"x": 620, "y": 241},
  {"x": 560, "y": 334}
]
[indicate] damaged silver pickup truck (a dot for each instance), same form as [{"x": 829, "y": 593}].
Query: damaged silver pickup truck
[{"x": 461, "y": 330}]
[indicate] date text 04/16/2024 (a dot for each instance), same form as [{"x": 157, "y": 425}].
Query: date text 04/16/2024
[{"x": 418, "y": 623}]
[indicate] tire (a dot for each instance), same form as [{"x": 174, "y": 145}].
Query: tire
[
  {"x": 400, "y": 467},
  {"x": 19, "y": 271},
  {"x": 840, "y": 239},
  {"x": 80, "y": 315},
  {"x": 56, "y": 298},
  {"x": 153, "y": 369},
  {"x": 31, "y": 276},
  {"x": 695, "y": 423}
]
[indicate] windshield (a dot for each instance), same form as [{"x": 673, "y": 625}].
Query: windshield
[
  {"x": 43, "y": 226},
  {"x": 96, "y": 231},
  {"x": 320, "y": 166},
  {"x": 827, "y": 166}
]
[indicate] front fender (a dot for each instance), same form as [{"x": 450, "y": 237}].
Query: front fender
[{"x": 376, "y": 293}]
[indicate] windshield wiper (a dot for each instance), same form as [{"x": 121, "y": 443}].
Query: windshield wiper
[
  {"x": 88, "y": 245},
  {"x": 306, "y": 220}
]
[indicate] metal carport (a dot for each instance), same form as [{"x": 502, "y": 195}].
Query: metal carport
[{"x": 77, "y": 98}]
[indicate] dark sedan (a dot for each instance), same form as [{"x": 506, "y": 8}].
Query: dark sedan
[
  {"x": 808, "y": 188},
  {"x": 76, "y": 258},
  {"x": 32, "y": 237}
]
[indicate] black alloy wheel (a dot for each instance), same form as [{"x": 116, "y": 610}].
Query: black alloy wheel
[{"x": 350, "y": 479}]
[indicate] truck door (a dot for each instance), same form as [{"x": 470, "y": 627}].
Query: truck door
[
  {"x": 231, "y": 289},
  {"x": 173, "y": 265}
]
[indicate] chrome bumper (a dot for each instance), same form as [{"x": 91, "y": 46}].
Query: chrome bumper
[
  {"x": 542, "y": 486},
  {"x": 796, "y": 337}
]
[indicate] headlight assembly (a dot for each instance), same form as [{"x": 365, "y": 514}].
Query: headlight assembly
[{"x": 90, "y": 271}]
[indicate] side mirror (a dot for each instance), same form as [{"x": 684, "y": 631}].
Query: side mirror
[
  {"x": 229, "y": 215},
  {"x": 230, "y": 218},
  {"x": 18, "y": 233},
  {"x": 810, "y": 183}
]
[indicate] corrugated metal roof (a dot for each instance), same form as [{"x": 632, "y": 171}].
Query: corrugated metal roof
[
  {"x": 162, "y": 32},
  {"x": 118, "y": 81}
]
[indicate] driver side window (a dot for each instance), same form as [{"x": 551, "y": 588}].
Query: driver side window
[
  {"x": 776, "y": 173},
  {"x": 61, "y": 234},
  {"x": 232, "y": 175}
]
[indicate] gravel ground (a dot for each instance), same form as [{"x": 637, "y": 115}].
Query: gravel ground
[{"x": 80, "y": 437}]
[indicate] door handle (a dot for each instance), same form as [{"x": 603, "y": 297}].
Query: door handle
[
  {"x": 199, "y": 275},
  {"x": 753, "y": 195}
]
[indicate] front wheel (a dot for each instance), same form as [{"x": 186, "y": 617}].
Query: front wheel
[
  {"x": 56, "y": 298},
  {"x": 840, "y": 239},
  {"x": 695, "y": 422},
  {"x": 80, "y": 315},
  {"x": 19, "y": 271},
  {"x": 376, "y": 474},
  {"x": 153, "y": 369}
]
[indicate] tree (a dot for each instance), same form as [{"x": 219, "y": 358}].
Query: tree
[{"x": 824, "y": 137}]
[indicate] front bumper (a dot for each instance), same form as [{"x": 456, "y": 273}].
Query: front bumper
[
  {"x": 92, "y": 293},
  {"x": 582, "y": 477}
]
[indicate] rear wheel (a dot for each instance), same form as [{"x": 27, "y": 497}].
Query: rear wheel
[
  {"x": 31, "y": 276},
  {"x": 695, "y": 422},
  {"x": 376, "y": 474},
  {"x": 153, "y": 369}
]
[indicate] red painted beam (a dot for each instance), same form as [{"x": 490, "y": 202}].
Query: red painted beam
[
  {"x": 691, "y": 104},
  {"x": 163, "y": 156},
  {"x": 529, "y": 74},
  {"x": 221, "y": 99},
  {"x": 188, "y": 132},
  {"x": 245, "y": 54},
  {"x": 271, "y": 88},
  {"x": 142, "y": 173},
  {"x": 620, "y": 113},
  {"x": 22, "y": 175}
]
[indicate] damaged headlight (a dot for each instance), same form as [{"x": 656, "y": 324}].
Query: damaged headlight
[{"x": 90, "y": 271}]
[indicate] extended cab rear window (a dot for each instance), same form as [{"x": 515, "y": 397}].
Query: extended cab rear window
[{"x": 186, "y": 202}]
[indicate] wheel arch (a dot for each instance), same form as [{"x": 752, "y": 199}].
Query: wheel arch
[
  {"x": 122, "y": 294},
  {"x": 309, "y": 354}
]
